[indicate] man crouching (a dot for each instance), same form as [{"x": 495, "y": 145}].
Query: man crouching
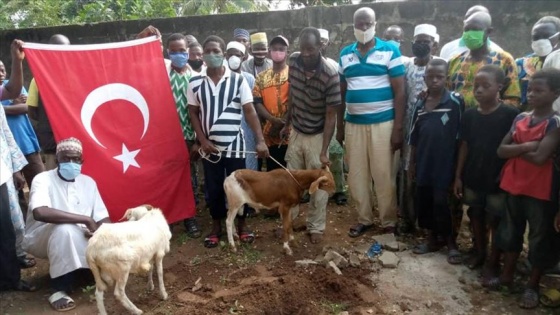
[{"x": 65, "y": 208}]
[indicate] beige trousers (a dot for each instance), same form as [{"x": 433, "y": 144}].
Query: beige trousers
[
  {"x": 370, "y": 160},
  {"x": 303, "y": 153}
]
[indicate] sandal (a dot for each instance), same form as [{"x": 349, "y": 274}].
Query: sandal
[
  {"x": 211, "y": 241},
  {"x": 529, "y": 299},
  {"x": 475, "y": 262},
  {"x": 60, "y": 301},
  {"x": 551, "y": 298},
  {"x": 26, "y": 262},
  {"x": 340, "y": 198},
  {"x": 454, "y": 257},
  {"x": 192, "y": 228},
  {"x": 246, "y": 237},
  {"x": 359, "y": 229},
  {"x": 25, "y": 286},
  {"x": 425, "y": 248}
]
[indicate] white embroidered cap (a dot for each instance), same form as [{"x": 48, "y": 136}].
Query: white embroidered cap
[{"x": 70, "y": 144}]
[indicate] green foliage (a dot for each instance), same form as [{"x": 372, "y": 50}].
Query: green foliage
[{"x": 38, "y": 13}]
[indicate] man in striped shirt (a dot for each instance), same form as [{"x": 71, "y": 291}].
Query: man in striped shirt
[
  {"x": 314, "y": 102},
  {"x": 372, "y": 83},
  {"x": 216, "y": 98}
]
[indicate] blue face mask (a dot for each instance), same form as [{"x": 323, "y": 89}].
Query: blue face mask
[
  {"x": 69, "y": 170},
  {"x": 179, "y": 59}
]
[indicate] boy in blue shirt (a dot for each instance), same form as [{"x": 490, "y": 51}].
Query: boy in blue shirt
[{"x": 433, "y": 139}]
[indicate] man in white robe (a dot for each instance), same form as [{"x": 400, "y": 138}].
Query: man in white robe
[{"x": 65, "y": 208}]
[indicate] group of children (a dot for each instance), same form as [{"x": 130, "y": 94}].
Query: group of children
[{"x": 500, "y": 163}]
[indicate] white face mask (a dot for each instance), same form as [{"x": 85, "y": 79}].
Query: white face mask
[
  {"x": 234, "y": 63},
  {"x": 364, "y": 36},
  {"x": 543, "y": 47}
]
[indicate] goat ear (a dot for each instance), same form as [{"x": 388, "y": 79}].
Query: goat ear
[
  {"x": 315, "y": 185},
  {"x": 126, "y": 215},
  {"x": 148, "y": 207}
]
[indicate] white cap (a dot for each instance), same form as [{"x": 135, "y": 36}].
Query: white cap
[
  {"x": 236, "y": 45},
  {"x": 426, "y": 29},
  {"x": 324, "y": 33}
]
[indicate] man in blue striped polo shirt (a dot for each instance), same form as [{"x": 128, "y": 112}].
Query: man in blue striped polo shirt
[{"x": 372, "y": 85}]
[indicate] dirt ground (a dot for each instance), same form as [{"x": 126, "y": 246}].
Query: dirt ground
[{"x": 260, "y": 279}]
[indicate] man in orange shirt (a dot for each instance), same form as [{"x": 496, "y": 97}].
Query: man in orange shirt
[{"x": 271, "y": 101}]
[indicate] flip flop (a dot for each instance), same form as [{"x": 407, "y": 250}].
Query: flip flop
[
  {"x": 454, "y": 257},
  {"x": 358, "y": 229},
  {"x": 424, "y": 248},
  {"x": 247, "y": 237},
  {"x": 26, "y": 262},
  {"x": 25, "y": 286},
  {"x": 61, "y": 295},
  {"x": 529, "y": 299},
  {"x": 551, "y": 298},
  {"x": 211, "y": 241}
]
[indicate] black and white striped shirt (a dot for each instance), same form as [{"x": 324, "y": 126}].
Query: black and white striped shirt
[{"x": 220, "y": 109}]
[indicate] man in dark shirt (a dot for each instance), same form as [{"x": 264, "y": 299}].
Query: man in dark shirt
[{"x": 315, "y": 98}]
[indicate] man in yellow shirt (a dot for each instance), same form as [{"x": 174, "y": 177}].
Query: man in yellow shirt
[{"x": 37, "y": 112}]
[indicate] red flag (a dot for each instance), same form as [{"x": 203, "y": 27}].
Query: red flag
[{"x": 117, "y": 100}]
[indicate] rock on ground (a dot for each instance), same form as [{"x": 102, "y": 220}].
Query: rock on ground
[
  {"x": 338, "y": 259},
  {"x": 389, "y": 260},
  {"x": 332, "y": 265}
]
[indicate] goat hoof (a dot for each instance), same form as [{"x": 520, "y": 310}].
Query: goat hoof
[
  {"x": 150, "y": 287},
  {"x": 289, "y": 252},
  {"x": 164, "y": 296}
]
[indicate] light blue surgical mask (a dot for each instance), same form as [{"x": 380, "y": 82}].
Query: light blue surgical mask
[
  {"x": 69, "y": 170},
  {"x": 213, "y": 60},
  {"x": 179, "y": 59}
]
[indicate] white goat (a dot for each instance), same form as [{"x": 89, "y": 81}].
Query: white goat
[{"x": 116, "y": 250}]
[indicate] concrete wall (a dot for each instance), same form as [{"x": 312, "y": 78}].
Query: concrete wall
[{"x": 512, "y": 21}]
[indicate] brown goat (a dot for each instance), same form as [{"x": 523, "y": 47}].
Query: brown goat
[{"x": 274, "y": 189}]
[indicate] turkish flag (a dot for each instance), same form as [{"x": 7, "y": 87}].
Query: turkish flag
[{"x": 116, "y": 98}]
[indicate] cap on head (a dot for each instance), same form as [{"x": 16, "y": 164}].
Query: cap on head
[
  {"x": 259, "y": 38},
  {"x": 426, "y": 29},
  {"x": 240, "y": 32},
  {"x": 324, "y": 33},
  {"x": 474, "y": 9},
  {"x": 236, "y": 45},
  {"x": 70, "y": 144},
  {"x": 481, "y": 18},
  {"x": 280, "y": 39}
]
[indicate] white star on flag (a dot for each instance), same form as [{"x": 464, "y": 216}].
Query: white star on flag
[{"x": 127, "y": 158}]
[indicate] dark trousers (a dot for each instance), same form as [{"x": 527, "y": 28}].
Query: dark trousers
[
  {"x": 10, "y": 273},
  {"x": 433, "y": 210},
  {"x": 214, "y": 176},
  {"x": 278, "y": 153},
  {"x": 539, "y": 214}
]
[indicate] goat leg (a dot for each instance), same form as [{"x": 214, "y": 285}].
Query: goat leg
[
  {"x": 120, "y": 294},
  {"x": 232, "y": 213},
  {"x": 100, "y": 302},
  {"x": 287, "y": 225},
  {"x": 159, "y": 265},
  {"x": 151, "y": 279}
]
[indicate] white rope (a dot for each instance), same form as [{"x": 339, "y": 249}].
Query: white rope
[{"x": 207, "y": 157}]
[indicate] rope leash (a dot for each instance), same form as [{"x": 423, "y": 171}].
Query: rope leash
[{"x": 207, "y": 157}]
